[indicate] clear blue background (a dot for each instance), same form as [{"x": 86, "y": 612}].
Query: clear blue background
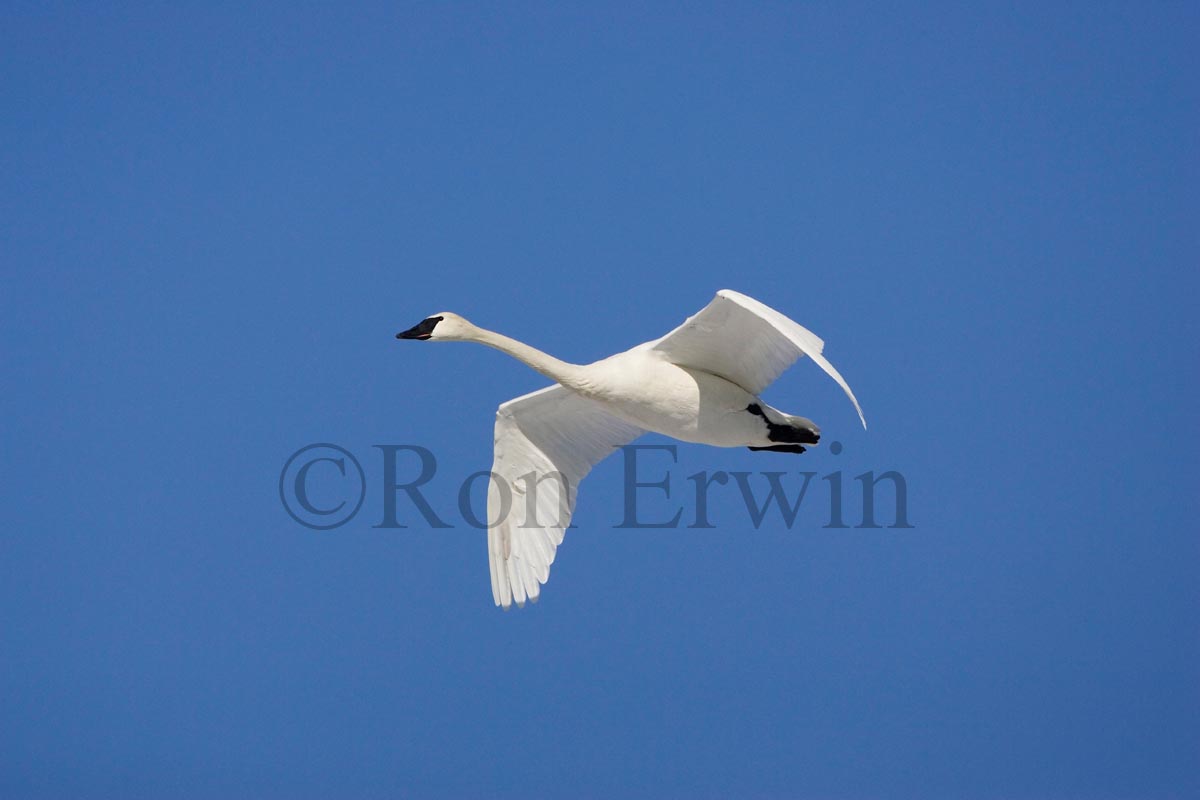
[{"x": 213, "y": 220}]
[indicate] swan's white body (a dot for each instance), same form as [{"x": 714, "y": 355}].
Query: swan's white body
[
  {"x": 645, "y": 390},
  {"x": 699, "y": 383}
]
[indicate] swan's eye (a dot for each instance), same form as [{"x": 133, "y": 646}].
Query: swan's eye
[{"x": 422, "y": 330}]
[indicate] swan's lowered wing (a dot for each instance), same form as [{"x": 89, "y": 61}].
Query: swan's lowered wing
[
  {"x": 745, "y": 342},
  {"x": 546, "y": 443}
]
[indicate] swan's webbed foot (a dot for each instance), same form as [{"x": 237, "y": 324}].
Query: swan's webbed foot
[
  {"x": 781, "y": 448},
  {"x": 793, "y": 434}
]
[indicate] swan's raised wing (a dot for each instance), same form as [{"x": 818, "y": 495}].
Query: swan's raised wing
[
  {"x": 745, "y": 342},
  {"x": 546, "y": 442}
]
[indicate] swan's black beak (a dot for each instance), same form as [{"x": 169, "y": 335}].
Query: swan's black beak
[{"x": 422, "y": 331}]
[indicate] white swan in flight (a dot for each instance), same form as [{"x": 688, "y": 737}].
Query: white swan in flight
[{"x": 699, "y": 383}]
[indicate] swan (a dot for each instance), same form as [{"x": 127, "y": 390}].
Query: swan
[{"x": 699, "y": 383}]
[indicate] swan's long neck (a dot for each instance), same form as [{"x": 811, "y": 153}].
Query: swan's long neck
[{"x": 567, "y": 374}]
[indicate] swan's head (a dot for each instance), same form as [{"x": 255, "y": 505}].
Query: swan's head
[{"x": 441, "y": 327}]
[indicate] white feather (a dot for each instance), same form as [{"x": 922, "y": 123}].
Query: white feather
[{"x": 698, "y": 384}]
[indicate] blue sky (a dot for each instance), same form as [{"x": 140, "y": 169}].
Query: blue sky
[{"x": 214, "y": 219}]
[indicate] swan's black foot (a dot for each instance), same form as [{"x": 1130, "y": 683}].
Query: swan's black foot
[
  {"x": 781, "y": 448},
  {"x": 785, "y": 434}
]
